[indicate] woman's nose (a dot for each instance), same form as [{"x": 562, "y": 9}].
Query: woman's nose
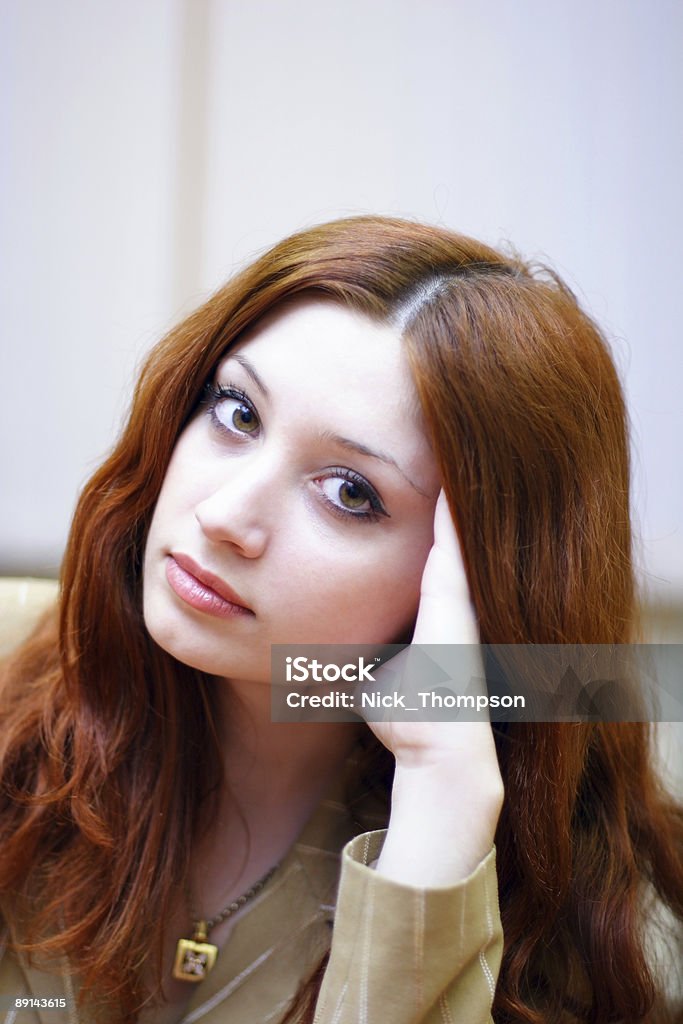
[{"x": 237, "y": 511}]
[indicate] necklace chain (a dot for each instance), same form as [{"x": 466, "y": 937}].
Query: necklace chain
[{"x": 236, "y": 904}]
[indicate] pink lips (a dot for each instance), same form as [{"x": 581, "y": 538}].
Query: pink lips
[{"x": 202, "y": 590}]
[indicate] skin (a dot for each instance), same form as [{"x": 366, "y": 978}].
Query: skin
[
  {"x": 257, "y": 493},
  {"x": 262, "y": 510}
]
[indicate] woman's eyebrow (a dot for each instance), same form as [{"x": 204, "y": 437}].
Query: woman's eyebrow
[
  {"x": 251, "y": 372},
  {"x": 328, "y": 436}
]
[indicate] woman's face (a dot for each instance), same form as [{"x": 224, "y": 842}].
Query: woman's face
[{"x": 298, "y": 502}]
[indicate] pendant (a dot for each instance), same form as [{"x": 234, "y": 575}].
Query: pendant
[{"x": 194, "y": 957}]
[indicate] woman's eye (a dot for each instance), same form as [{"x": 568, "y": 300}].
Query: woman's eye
[
  {"x": 233, "y": 413},
  {"x": 231, "y": 410},
  {"x": 350, "y": 495},
  {"x": 347, "y": 494}
]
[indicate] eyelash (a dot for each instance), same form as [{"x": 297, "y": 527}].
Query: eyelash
[
  {"x": 376, "y": 510},
  {"x": 215, "y": 393}
]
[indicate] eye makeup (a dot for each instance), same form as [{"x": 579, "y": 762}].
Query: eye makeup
[
  {"x": 353, "y": 492},
  {"x": 244, "y": 418},
  {"x": 353, "y": 487}
]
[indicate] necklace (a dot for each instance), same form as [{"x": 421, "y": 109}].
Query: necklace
[{"x": 195, "y": 957}]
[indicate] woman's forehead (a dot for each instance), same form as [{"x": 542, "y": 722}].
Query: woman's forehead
[
  {"x": 336, "y": 372},
  {"x": 321, "y": 343}
]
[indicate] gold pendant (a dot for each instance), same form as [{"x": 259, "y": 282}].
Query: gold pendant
[{"x": 194, "y": 957}]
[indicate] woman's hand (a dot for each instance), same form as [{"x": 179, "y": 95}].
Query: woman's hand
[{"x": 447, "y": 791}]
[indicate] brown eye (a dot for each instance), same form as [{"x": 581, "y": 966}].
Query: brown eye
[
  {"x": 351, "y": 495},
  {"x": 231, "y": 411},
  {"x": 347, "y": 495},
  {"x": 244, "y": 419}
]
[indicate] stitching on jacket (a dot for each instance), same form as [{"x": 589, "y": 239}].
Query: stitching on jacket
[
  {"x": 490, "y": 980},
  {"x": 418, "y": 947},
  {"x": 367, "y": 931},
  {"x": 489, "y": 918},
  {"x": 446, "y": 1015},
  {"x": 339, "y": 1006},
  {"x": 277, "y": 1011},
  {"x": 486, "y": 970}
]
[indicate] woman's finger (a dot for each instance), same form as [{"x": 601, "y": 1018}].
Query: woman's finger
[{"x": 445, "y": 614}]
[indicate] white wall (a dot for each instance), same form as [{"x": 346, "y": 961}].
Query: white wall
[
  {"x": 150, "y": 148},
  {"x": 89, "y": 128}
]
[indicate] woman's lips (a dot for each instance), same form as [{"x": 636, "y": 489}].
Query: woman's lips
[{"x": 201, "y": 589}]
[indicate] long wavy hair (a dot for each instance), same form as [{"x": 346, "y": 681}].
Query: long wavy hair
[{"x": 527, "y": 420}]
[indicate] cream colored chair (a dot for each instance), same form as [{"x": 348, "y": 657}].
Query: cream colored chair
[{"x": 22, "y": 601}]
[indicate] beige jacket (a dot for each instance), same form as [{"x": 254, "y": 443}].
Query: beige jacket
[{"x": 399, "y": 954}]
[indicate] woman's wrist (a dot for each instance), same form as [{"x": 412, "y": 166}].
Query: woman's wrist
[{"x": 443, "y": 821}]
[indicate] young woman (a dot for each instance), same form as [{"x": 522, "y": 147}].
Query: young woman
[{"x": 379, "y": 430}]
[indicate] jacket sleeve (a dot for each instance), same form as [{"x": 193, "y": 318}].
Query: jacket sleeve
[{"x": 407, "y": 955}]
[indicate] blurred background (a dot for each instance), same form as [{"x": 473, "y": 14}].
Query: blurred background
[{"x": 150, "y": 149}]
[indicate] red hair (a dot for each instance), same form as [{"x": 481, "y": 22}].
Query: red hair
[{"x": 527, "y": 419}]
